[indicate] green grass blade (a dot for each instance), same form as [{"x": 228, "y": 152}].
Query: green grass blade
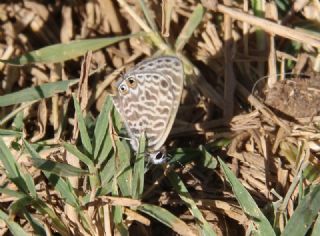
[
  {"x": 14, "y": 228},
  {"x": 101, "y": 127},
  {"x": 138, "y": 170},
  {"x": 76, "y": 152},
  {"x": 185, "y": 196},
  {"x": 11, "y": 167},
  {"x": 167, "y": 218},
  {"x": 8, "y": 132},
  {"x": 208, "y": 160},
  {"x": 316, "y": 227},
  {"x": 65, "y": 51},
  {"x": 248, "y": 205},
  {"x": 56, "y": 223},
  {"x": 60, "y": 169},
  {"x": 123, "y": 229},
  {"x": 12, "y": 193},
  {"x": 189, "y": 27},
  {"x": 85, "y": 139},
  {"x": 124, "y": 170},
  {"x": 105, "y": 151},
  {"x": 36, "y": 93},
  {"x": 304, "y": 215},
  {"x": 36, "y": 225},
  {"x": 64, "y": 188},
  {"x": 30, "y": 183},
  {"x": 19, "y": 205},
  {"x": 106, "y": 175}
]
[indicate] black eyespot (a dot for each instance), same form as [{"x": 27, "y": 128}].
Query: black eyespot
[
  {"x": 131, "y": 82},
  {"x": 159, "y": 156},
  {"x": 123, "y": 88}
]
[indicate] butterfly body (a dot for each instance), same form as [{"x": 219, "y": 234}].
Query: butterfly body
[{"x": 148, "y": 99}]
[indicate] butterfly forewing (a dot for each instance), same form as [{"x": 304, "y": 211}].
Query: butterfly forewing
[{"x": 150, "y": 99}]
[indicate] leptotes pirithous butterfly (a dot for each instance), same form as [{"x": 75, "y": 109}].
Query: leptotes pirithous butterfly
[{"x": 147, "y": 99}]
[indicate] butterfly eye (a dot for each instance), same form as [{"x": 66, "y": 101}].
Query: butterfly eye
[
  {"x": 131, "y": 81},
  {"x": 123, "y": 89}
]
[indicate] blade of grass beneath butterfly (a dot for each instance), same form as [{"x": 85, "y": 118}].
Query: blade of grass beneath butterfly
[
  {"x": 82, "y": 127},
  {"x": 179, "y": 186},
  {"x": 11, "y": 167},
  {"x": 105, "y": 150},
  {"x": 248, "y": 205},
  {"x": 65, "y": 51},
  {"x": 14, "y": 228},
  {"x": 101, "y": 127},
  {"x": 147, "y": 14},
  {"x": 304, "y": 215},
  {"x": 189, "y": 27},
  {"x": 117, "y": 211},
  {"x": 138, "y": 170},
  {"x": 106, "y": 175},
  {"x": 167, "y": 218},
  {"x": 36, "y": 93},
  {"x": 124, "y": 171}
]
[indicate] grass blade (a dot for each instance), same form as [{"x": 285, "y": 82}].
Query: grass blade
[
  {"x": 76, "y": 152},
  {"x": 124, "y": 170},
  {"x": 36, "y": 93},
  {"x": 85, "y": 139},
  {"x": 316, "y": 227},
  {"x": 167, "y": 218},
  {"x": 304, "y": 215},
  {"x": 248, "y": 205},
  {"x": 138, "y": 170},
  {"x": 60, "y": 169},
  {"x": 101, "y": 127},
  {"x": 189, "y": 27},
  {"x": 65, "y": 51},
  {"x": 36, "y": 225},
  {"x": 105, "y": 150},
  {"x": 14, "y": 228},
  {"x": 8, "y": 132},
  {"x": 106, "y": 175},
  {"x": 56, "y": 222},
  {"x": 11, "y": 167},
  {"x": 12, "y": 193},
  {"x": 179, "y": 186}
]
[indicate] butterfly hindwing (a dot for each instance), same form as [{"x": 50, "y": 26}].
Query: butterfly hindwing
[{"x": 150, "y": 99}]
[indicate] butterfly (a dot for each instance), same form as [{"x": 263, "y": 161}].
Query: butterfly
[{"x": 147, "y": 99}]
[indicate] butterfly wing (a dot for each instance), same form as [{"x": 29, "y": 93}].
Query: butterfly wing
[{"x": 151, "y": 103}]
